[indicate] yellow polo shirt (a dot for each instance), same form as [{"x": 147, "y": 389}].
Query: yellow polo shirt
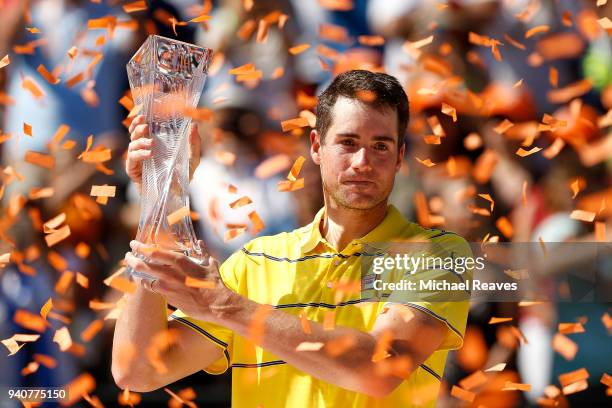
[{"x": 294, "y": 272}]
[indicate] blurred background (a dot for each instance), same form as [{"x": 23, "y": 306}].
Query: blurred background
[{"x": 510, "y": 133}]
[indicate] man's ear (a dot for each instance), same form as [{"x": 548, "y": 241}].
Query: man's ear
[
  {"x": 315, "y": 146},
  {"x": 400, "y": 156}
]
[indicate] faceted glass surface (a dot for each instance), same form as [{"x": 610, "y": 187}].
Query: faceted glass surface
[{"x": 166, "y": 78}]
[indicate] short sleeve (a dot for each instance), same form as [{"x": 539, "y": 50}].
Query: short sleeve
[
  {"x": 218, "y": 335},
  {"x": 440, "y": 289}
]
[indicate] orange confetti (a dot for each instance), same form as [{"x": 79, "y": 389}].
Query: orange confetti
[
  {"x": 536, "y": 30},
  {"x": 243, "y": 69},
  {"x": 30, "y": 321},
  {"x": 63, "y": 282},
  {"x": 32, "y": 367},
  {"x": 514, "y": 43},
  {"x": 496, "y": 367},
  {"x": 97, "y": 156},
  {"x": 272, "y": 166},
  {"x": 329, "y": 320},
  {"x": 605, "y": 23},
  {"x": 40, "y": 192},
  {"x": 233, "y": 233},
  {"x": 371, "y": 40},
  {"x": 382, "y": 345},
  {"x": 564, "y": 346},
  {"x": 339, "y": 345},
  {"x": 82, "y": 280},
  {"x": 120, "y": 283},
  {"x": 600, "y": 231},
  {"x": 606, "y": 379},
  {"x": 5, "y": 61},
  {"x": 27, "y": 129},
  {"x": 44, "y": 310},
  {"x": 290, "y": 185},
  {"x": 505, "y": 227},
  {"x": 426, "y": 162},
  {"x": 580, "y": 215},
  {"x": 298, "y": 49},
  {"x": 573, "y": 90},
  {"x": 241, "y": 202},
  {"x": 496, "y": 320},
  {"x": 135, "y": 6},
  {"x": 258, "y": 321},
  {"x": 473, "y": 380},
  {"x": 553, "y": 77},
  {"x": 523, "y": 153},
  {"x": 573, "y": 376},
  {"x": 489, "y": 199},
  {"x": 74, "y": 80},
  {"x": 503, "y": 126},
  {"x": 257, "y": 225},
  {"x": 91, "y": 330},
  {"x": 337, "y": 5},
  {"x": 30, "y": 85},
  {"x": 177, "y": 215},
  {"x": 53, "y": 223},
  {"x": 296, "y": 123},
  {"x": 57, "y": 236},
  {"x": 200, "y": 19},
  {"x": 40, "y": 159},
  {"x": 72, "y": 52},
  {"x": 305, "y": 323},
  {"x": 296, "y": 168},
  {"x": 199, "y": 283},
  {"x": 554, "y": 149},
  {"x": 462, "y": 394},
  {"x": 103, "y": 191},
  {"x": 450, "y": 111},
  {"x": 512, "y": 386},
  {"x": 334, "y": 33},
  {"x": 308, "y": 346},
  {"x": 84, "y": 383},
  {"x": 47, "y": 75}
]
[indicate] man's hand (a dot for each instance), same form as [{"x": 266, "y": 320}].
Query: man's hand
[
  {"x": 172, "y": 270},
  {"x": 141, "y": 146}
]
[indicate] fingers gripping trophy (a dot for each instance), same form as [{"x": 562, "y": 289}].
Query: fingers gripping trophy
[{"x": 166, "y": 78}]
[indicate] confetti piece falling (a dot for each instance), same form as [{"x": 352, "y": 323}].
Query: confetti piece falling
[
  {"x": 308, "y": 346},
  {"x": 496, "y": 320},
  {"x": 580, "y": 215},
  {"x": 5, "y": 61},
  {"x": 198, "y": 283},
  {"x": 241, "y": 202},
  {"x": 524, "y": 153},
  {"x": 177, "y": 215},
  {"x": 298, "y": 49},
  {"x": 50, "y": 78},
  {"x": 462, "y": 394}
]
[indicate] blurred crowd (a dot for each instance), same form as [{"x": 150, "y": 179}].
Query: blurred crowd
[{"x": 510, "y": 104}]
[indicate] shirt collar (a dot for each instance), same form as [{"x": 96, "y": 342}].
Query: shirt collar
[{"x": 390, "y": 227}]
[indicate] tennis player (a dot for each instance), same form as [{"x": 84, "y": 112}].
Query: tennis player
[{"x": 274, "y": 313}]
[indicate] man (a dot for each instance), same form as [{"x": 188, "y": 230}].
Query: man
[{"x": 274, "y": 314}]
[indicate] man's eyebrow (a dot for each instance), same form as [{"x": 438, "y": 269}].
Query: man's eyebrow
[{"x": 383, "y": 138}]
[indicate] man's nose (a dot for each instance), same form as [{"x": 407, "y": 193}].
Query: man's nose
[{"x": 361, "y": 161}]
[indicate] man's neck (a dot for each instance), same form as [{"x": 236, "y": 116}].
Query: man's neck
[{"x": 342, "y": 225}]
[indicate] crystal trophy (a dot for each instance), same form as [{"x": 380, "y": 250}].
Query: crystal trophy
[{"x": 166, "y": 78}]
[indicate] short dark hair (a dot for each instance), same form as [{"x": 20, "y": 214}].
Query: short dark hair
[{"x": 382, "y": 91}]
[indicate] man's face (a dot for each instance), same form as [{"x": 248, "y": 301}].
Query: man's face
[{"x": 360, "y": 154}]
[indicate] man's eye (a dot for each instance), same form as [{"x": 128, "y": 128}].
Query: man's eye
[
  {"x": 347, "y": 142},
  {"x": 382, "y": 146}
]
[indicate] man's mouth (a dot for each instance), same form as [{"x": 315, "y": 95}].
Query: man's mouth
[{"x": 357, "y": 182}]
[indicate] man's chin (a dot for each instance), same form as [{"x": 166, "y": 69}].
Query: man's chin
[{"x": 360, "y": 202}]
